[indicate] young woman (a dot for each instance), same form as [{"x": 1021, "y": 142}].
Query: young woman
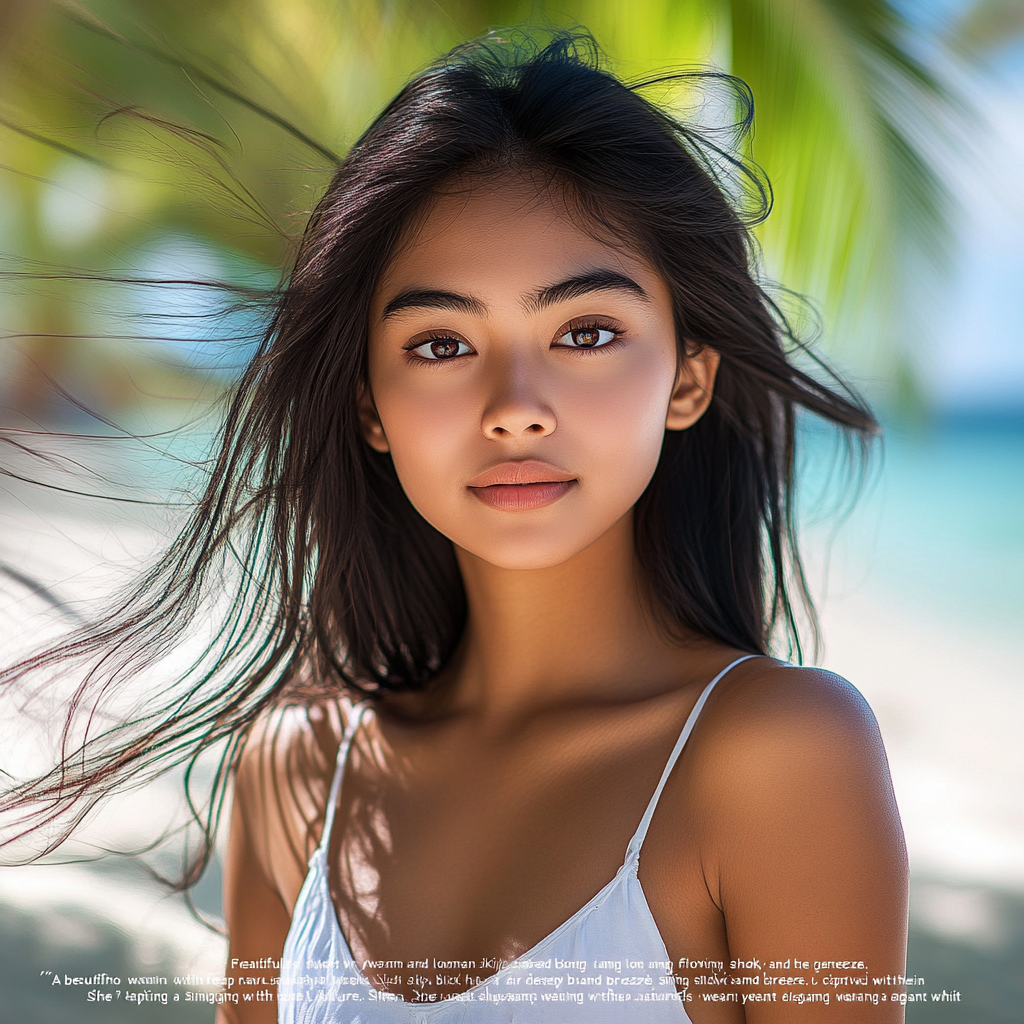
[{"x": 512, "y": 477}]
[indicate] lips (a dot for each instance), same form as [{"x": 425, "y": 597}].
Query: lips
[
  {"x": 517, "y": 486},
  {"x": 529, "y": 471}
]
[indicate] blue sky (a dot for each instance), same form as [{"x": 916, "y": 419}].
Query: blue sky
[{"x": 974, "y": 353}]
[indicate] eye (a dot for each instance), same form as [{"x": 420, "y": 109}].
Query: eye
[
  {"x": 587, "y": 336},
  {"x": 440, "y": 349}
]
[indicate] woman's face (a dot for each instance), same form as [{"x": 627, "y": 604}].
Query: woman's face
[{"x": 522, "y": 375}]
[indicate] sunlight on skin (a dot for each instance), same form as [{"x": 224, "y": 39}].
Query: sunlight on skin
[
  {"x": 522, "y": 372},
  {"x": 525, "y": 382},
  {"x": 574, "y": 388}
]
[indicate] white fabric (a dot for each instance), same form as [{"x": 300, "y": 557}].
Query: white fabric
[{"x": 626, "y": 974}]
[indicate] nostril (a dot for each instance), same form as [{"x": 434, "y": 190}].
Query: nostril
[{"x": 510, "y": 425}]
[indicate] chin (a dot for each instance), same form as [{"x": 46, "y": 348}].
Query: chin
[{"x": 527, "y": 549}]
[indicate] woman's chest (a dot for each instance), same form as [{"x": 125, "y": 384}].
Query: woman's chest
[{"x": 476, "y": 856}]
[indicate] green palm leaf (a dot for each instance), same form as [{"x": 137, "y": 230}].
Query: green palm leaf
[{"x": 218, "y": 120}]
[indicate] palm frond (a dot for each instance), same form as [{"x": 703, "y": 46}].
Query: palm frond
[{"x": 221, "y": 119}]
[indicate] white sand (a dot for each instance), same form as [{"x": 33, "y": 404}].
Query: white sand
[{"x": 950, "y": 704}]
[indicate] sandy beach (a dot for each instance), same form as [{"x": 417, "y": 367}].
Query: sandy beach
[{"x": 949, "y": 700}]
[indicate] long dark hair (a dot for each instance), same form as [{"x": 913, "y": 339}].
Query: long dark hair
[{"x": 333, "y": 581}]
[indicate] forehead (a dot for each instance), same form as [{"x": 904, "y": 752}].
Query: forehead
[{"x": 504, "y": 237}]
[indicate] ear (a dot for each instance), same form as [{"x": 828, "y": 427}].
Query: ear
[
  {"x": 695, "y": 382},
  {"x": 369, "y": 422}
]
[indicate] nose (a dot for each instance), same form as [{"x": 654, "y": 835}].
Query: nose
[{"x": 515, "y": 408}]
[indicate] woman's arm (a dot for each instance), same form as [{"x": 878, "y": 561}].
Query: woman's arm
[
  {"x": 804, "y": 853},
  {"x": 279, "y": 801},
  {"x": 256, "y": 917}
]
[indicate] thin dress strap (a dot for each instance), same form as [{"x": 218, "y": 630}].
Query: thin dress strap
[
  {"x": 339, "y": 772},
  {"x": 633, "y": 850}
]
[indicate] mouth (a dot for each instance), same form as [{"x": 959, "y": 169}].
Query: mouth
[{"x": 517, "y": 486}]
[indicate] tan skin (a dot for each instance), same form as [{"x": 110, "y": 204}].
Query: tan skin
[{"x": 476, "y": 818}]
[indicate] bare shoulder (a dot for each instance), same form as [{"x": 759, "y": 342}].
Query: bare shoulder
[
  {"x": 792, "y": 774},
  {"x": 281, "y": 788},
  {"x": 286, "y": 739},
  {"x": 764, "y": 685},
  {"x": 785, "y": 843},
  {"x": 770, "y": 713},
  {"x": 281, "y": 785}
]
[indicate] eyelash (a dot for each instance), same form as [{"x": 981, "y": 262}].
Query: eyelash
[
  {"x": 593, "y": 324},
  {"x": 431, "y": 337}
]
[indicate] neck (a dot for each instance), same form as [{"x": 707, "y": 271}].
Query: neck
[{"x": 578, "y": 630}]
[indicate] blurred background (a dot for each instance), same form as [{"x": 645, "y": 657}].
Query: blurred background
[{"x": 158, "y": 160}]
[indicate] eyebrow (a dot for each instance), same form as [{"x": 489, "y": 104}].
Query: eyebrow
[
  {"x": 570, "y": 288},
  {"x": 584, "y": 284},
  {"x": 430, "y": 298}
]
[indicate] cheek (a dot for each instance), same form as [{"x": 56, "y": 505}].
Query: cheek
[
  {"x": 619, "y": 427},
  {"x": 427, "y": 430},
  {"x": 610, "y": 426}
]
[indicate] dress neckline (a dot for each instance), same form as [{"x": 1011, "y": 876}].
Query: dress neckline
[{"x": 627, "y": 871}]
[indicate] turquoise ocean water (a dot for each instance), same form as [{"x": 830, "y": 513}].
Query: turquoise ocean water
[{"x": 939, "y": 521}]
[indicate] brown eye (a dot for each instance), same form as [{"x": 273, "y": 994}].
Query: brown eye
[
  {"x": 586, "y": 337},
  {"x": 441, "y": 349},
  {"x": 444, "y": 349}
]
